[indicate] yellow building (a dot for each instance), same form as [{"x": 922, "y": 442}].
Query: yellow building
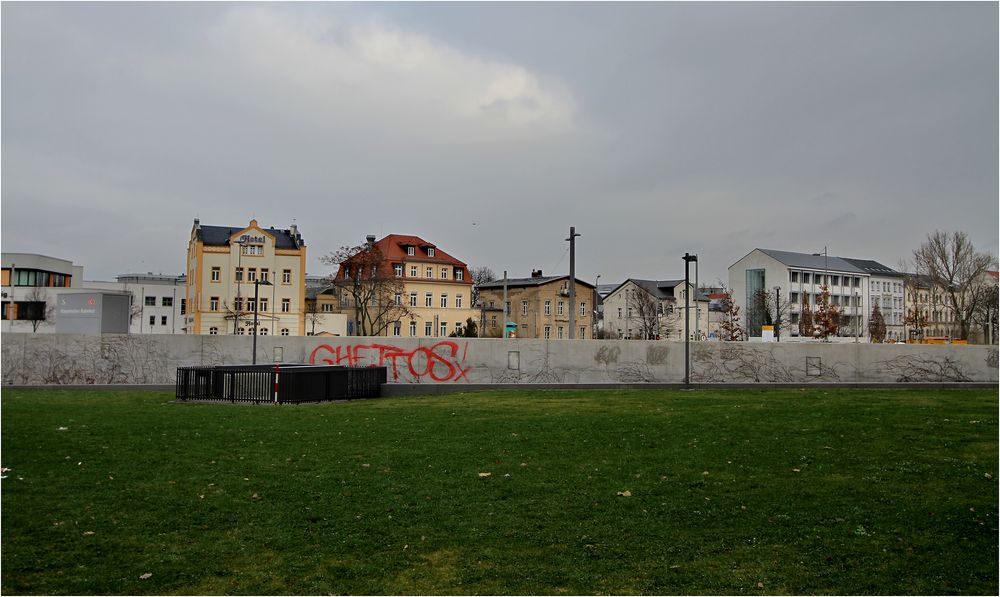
[
  {"x": 539, "y": 306},
  {"x": 431, "y": 291},
  {"x": 226, "y": 266}
]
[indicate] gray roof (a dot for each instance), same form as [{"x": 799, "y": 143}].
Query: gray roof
[
  {"x": 219, "y": 236},
  {"x": 660, "y": 289},
  {"x": 873, "y": 267},
  {"x": 525, "y": 282},
  {"x": 813, "y": 262}
]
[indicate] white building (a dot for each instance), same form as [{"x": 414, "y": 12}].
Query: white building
[
  {"x": 157, "y": 301},
  {"x": 654, "y": 310},
  {"x": 794, "y": 277},
  {"x": 30, "y": 285}
]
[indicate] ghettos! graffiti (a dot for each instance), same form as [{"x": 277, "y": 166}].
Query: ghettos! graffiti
[{"x": 441, "y": 362}]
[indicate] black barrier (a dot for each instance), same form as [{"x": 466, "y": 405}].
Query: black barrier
[{"x": 278, "y": 383}]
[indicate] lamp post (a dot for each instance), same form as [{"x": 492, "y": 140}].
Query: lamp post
[
  {"x": 687, "y": 317},
  {"x": 572, "y": 279},
  {"x": 777, "y": 313},
  {"x": 256, "y": 296}
]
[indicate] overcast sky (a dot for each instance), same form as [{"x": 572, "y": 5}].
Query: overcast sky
[{"x": 489, "y": 129}]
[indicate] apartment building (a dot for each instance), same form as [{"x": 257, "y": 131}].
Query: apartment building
[
  {"x": 323, "y": 316},
  {"x": 234, "y": 273},
  {"x": 538, "y": 307},
  {"x": 654, "y": 310},
  {"x": 431, "y": 291},
  {"x": 886, "y": 288}
]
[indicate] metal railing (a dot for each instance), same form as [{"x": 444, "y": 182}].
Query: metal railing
[{"x": 278, "y": 383}]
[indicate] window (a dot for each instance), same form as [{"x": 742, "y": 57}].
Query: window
[
  {"x": 444, "y": 300},
  {"x": 793, "y": 297},
  {"x": 262, "y": 332},
  {"x": 263, "y": 304},
  {"x": 327, "y": 308},
  {"x": 493, "y": 321},
  {"x": 238, "y": 304},
  {"x": 835, "y": 280},
  {"x": 286, "y": 305},
  {"x": 413, "y": 328},
  {"x": 253, "y": 250},
  {"x": 429, "y": 299},
  {"x": 264, "y": 273},
  {"x": 413, "y": 271},
  {"x": 459, "y": 273},
  {"x": 458, "y": 329},
  {"x": 216, "y": 274},
  {"x": 427, "y": 328},
  {"x": 805, "y": 277},
  {"x": 548, "y": 309},
  {"x": 548, "y": 332},
  {"x": 506, "y": 308},
  {"x": 793, "y": 276},
  {"x": 444, "y": 273},
  {"x": 524, "y": 307},
  {"x": 619, "y": 312},
  {"x": 629, "y": 311},
  {"x": 560, "y": 310},
  {"x": 583, "y": 333},
  {"x": 857, "y": 282},
  {"x": 152, "y": 320},
  {"x": 213, "y": 303},
  {"x": 251, "y": 305},
  {"x": 286, "y": 276},
  {"x": 284, "y": 331},
  {"x": 430, "y": 251},
  {"x": 150, "y": 301},
  {"x": 560, "y": 332},
  {"x": 214, "y": 331},
  {"x": 444, "y": 328},
  {"x": 398, "y": 299},
  {"x": 410, "y": 251},
  {"x": 183, "y": 306},
  {"x": 458, "y": 301},
  {"x": 492, "y": 304},
  {"x": 413, "y": 299},
  {"x": 241, "y": 331},
  {"x": 397, "y": 326},
  {"x": 167, "y": 301},
  {"x": 397, "y": 269},
  {"x": 583, "y": 309},
  {"x": 163, "y": 320},
  {"x": 252, "y": 274},
  {"x": 429, "y": 272},
  {"x": 239, "y": 274}
]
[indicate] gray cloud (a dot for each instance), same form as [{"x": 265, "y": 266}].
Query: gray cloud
[{"x": 654, "y": 128}]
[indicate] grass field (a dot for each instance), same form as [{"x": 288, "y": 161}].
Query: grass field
[{"x": 513, "y": 492}]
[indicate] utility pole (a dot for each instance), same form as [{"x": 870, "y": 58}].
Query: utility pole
[
  {"x": 505, "y": 314},
  {"x": 777, "y": 313},
  {"x": 572, "y": 280}
]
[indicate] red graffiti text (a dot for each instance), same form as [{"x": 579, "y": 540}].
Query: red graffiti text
[{"x": 443, "y": 362}]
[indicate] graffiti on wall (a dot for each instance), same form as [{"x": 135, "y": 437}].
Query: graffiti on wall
[{"x": 443, "y": 362}]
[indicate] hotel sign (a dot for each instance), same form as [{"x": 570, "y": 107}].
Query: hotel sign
[{"x": 249, "y": 239}]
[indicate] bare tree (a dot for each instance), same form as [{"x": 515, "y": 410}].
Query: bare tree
[
  {"x": 771, "y": 308},
  {"x": 480, "y": 275},
  {"x": 312, "y": 316},
  {"x": 805, "y": 318},
  {"x": 952, "y": 264},
  {"x": 985, "y": 316},
  {"x": 730, "y": 328},
  {"x": 647, "y": 312},
  {"x": 876, "y": 325},
  {"x": 375, "y": 291},
  {"x": 35, "y": 309}
]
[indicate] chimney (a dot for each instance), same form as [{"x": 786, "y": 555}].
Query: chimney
[
  {"x": 536, "y": 273},
  {"x": 371, "y": 239},
  {"x": 197, "y": 223}
]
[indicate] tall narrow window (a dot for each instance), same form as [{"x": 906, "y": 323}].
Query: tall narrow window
[
  {"x": 286, "y": 276},
  {"x": 286, "y": 305},
  {"x": 216, "y": 274}
]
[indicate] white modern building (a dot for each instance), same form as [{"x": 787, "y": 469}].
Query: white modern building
[
  {"x": 157, "y": 302},
  {"x": 796, "y": 277}
]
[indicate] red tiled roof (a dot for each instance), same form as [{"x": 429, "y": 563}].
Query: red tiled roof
[{"x": 394, "y": 246}]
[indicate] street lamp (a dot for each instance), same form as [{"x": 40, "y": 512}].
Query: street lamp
[
  {"x": 687, "y": 317},
  {"x": 777, "y": 313},
  {"x": 256, "y": 296}
]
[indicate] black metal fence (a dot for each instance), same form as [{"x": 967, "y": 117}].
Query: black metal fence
[{"x": 278, "y": 383}]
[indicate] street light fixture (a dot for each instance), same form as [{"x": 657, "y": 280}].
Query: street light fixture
[
  {"x": 687, "y": 316},
  {"x": 256, "y": 296}
]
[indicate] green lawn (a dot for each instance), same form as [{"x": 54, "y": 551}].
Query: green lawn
[{"x": 728, "y": 492}]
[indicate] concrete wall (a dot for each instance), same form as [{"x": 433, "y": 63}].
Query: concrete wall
[{"x": 147, "y": 359}]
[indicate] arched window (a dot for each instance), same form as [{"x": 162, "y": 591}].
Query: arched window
[{"x": 284, "y": 331}]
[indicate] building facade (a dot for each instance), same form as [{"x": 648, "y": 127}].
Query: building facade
[
  {"x": 235, "y": 272},
  {"x": 157, "y": 301},
  {"x": 538, "y": 307},
  {"x": 797, "y": 277},
  {"x": 30, "y": 284},
  {"x": 654, "y": 310},
  {"x": 886, "y": 288},
  {"x": 431, "y": 291}
]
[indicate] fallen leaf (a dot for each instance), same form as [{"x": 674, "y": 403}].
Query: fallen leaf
[
  {"x": 625, "y": 493},
  {"x": 146, "y": 575},
  {"x": 989, "y": 476},
  {"x": 704, "y": 472},
  {"x": 88, "y": 532},
  {"x": 485, "y": 474},
  {"x": 760, "y": 585},
  {"x": 795, "y": 470}
]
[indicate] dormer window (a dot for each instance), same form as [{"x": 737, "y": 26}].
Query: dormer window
[
  {"x": 430, "y": 251},
  {"x": 411, "y": 251},
  {"x": 459, "y": 273}
]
